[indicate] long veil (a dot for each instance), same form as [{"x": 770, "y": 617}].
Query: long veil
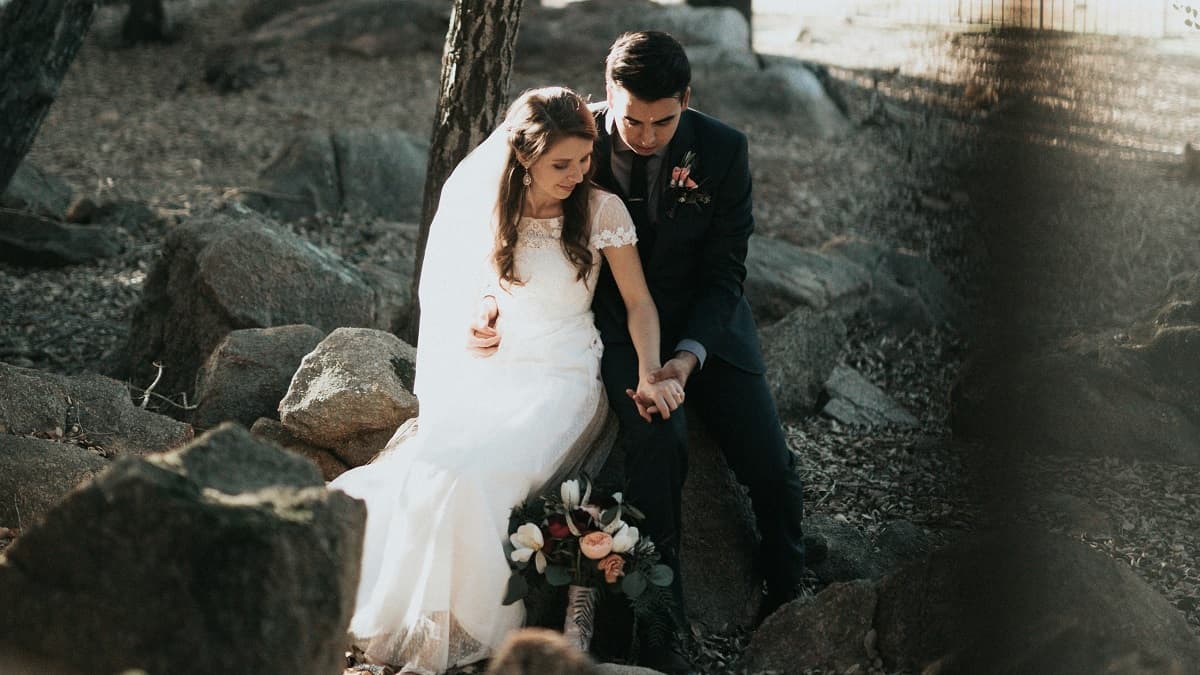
[{"x": 457, "y": 264}]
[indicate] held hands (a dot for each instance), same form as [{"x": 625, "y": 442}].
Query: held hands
[
  {"x": 483, "y": 339},
  {"x": 668, "y": 381},
  {"x": 680, "y": 367},
  {"x": 660, "y": 397}
]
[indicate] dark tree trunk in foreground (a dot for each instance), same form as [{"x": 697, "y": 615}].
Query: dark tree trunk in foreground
[
  {"x": 38, "y": 41},
  {"x": 742, "y": 6},
  {"x": 145, "y": 22},
  {"x": 476, "y": 65}
]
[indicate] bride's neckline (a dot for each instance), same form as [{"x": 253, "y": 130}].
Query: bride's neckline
[{"x": 542, "y": 220}]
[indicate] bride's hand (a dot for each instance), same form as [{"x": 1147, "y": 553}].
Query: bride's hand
[
  {"x": 659, "y": 398},
  {"x": 482, "y": 338}
]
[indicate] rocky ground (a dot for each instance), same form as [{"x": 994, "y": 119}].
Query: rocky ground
[{"x": 933, "y": 115}]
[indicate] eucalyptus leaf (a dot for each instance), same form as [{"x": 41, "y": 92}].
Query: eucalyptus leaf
[
  {"x": 634, "y": 513},
  {"x": 661, "y": 575},
  {"x": 633, "y": 584},
  {"x": 557, "y": 575},
  {"x": 517, "y": 588},
  {"x": 608, "y": 515}
]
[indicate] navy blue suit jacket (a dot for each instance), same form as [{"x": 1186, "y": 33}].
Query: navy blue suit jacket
[{"x": 695, "y": 258}]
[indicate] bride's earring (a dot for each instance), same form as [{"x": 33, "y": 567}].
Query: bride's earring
[{"x": 526, "y": 180}]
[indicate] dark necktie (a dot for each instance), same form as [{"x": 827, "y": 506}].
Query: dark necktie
[{"x": 638, "y": 204}]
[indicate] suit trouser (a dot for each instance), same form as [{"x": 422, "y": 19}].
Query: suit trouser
[{"x": 738, "y": 410}]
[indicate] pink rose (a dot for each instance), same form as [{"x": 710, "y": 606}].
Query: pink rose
[
  {"x": 596, "y": 545},
  {"x": 613, "y": 567}
]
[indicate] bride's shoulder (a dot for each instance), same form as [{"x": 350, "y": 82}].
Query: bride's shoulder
[
  {"x": 608, "y": 212},
  {"x": 601, "y": 195},
  {"x": 602, "y": 200}
]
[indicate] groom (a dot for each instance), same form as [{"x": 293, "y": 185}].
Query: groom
[{"x": 686, "y": 180}]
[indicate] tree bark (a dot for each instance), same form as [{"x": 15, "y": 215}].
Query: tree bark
[
  {"x": 742, "y": 6},
  {"x": 38, "y": 41},
  {"x": 476, "y": 64}
]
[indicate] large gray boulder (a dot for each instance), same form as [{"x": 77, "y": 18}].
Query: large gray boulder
[
  {"x": 1133, "y": 393},
  {"x": 249, "y": 372},
  {"x": 829, "y": 630},
  {"x": 34, "y": 191},
  {"x": 272, "y": 430},
  {"x": 351, "y": 393},
  {"x": 1072, "y": 403},
  {"x": 839, "y": 551},
  {"x": 393, "y": 293},
  {"x": 801, "y": 351},
  {"x": 29, "y": 239},
  {"x": 997, "y": 602},
  {"x": 365, "y": 172},
  {"x": 366, "y": 27},
  {"x": 35, "y": 473},
  {"x": 228, "y": 556},
  {"x": 722, "y": 583},
  {"x": 907, "y": 292},
  {"x": 711, "y": 36},
  {"x": 785, "y": 92},
  {"x": 855, "y": 400},
  {"x": 228, "y": 270},
  {"x": 1004, "y": 601},
  {"x": 87, "y": 409},
  {"x": 781, "y": 276}
]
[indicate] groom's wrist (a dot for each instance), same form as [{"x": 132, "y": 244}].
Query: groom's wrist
[{"x": 694, "y": 349}]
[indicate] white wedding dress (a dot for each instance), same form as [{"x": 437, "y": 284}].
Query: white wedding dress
[{"x": 438, "y": 498}]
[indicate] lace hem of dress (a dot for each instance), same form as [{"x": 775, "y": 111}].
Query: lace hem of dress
[{"x": 437, "y": 642}]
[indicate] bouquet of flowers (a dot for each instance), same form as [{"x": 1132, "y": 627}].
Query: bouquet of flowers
[{"x": 586, "y": 541}]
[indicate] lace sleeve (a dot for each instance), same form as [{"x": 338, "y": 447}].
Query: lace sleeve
[{"x": 611, "y": 224}]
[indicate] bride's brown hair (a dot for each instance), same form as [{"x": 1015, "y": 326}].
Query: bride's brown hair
[{"x": 537, "y": 120}]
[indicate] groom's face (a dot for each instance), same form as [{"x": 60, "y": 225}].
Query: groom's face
[{"x": 645, "y": 126}]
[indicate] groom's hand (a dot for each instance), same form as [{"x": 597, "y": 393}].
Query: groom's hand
[
  {"x": 483, "y": 339},
  {"x": 679, "y": 367},
  {"x": 660, "y": 398}
]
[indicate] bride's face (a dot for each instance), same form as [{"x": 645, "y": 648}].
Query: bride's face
[{"x": 563, "y": 166}]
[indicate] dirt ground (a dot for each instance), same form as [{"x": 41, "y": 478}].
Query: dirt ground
[{"x": 939, "y": 119}]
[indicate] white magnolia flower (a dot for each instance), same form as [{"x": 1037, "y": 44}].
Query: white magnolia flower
[
  {"x": 570, "y": 494},
  {"x": 625, "y": 539},
  {"x": 527, "y": 541}
]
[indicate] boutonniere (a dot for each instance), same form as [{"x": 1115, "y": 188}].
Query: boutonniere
[{"x": 683, "y": 189}]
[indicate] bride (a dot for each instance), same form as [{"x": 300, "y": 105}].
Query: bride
[{"x": 508, "y": 382}]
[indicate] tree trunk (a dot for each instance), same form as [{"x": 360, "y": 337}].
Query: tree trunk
[
  {"x": 476, "y": 65},
  {"x": 38, "y": 41},
  {"x": 742, "y": 6},
  {"x": 145, "y": 22}
]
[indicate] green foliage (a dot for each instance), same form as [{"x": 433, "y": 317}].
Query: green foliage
[
  {"x": 558, "y": 575},
  {"x": 661, "y": 575},
  {"x": 529, "y": 511},
  {"x": 633, "y": 584},
  {"x": 652, "y": 620},
  {"x": 516, "y": 589}
]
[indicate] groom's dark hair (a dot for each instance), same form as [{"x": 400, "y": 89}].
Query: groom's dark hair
[{"x": 651, "y": 65}]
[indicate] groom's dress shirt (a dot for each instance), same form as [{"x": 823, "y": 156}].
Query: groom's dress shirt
[
  {"x": 621, "y": 160},
  {"x": 622, "y": 165}
]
